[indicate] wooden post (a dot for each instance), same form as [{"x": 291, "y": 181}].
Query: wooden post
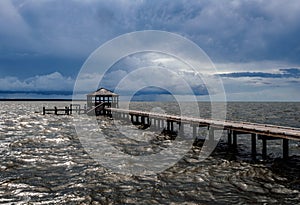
[
  {"x": 131, "y": 118},
  {"x": 142, "y": 120},
  {"x": 168, "y": 125},
  {"x": 152, "y": 123},
  {"x": 253, "y": 145},
  {"x": 285, "y": 148},
  {"x": 55, "y": 110},
  {"x": 71, "y": 109},
  {"x": 44, "y": 110},
  {"x": 234, "y": 136},
  {"x": 264, "y": 147},
  {"x": 139, "y": 118},
  {"x": 66, "y": 110},
  {"x": 229, "y": 137}
]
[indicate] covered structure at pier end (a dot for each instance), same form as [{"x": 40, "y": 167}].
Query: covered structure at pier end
[{"x": 102, "y": 96}]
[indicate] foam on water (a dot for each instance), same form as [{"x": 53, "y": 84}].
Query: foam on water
[{"x": 43, "y": 162}]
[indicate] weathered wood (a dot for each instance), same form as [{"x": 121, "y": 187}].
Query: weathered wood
[
  {"x": 229, "y": 137},
  {"x": 168, "y": 125},
  {"x": 97, "y": 109},
  {"x": 154, "y": 124},
  {"x": 242, "y": 127},
  {"x": 258, "y": 131},
  {"x": 67, "y": 110}
]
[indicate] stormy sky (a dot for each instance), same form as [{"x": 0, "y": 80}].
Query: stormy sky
[{"x": 254, "y": 45}]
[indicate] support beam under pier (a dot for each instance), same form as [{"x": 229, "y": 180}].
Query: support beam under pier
[{"x": 229, "y": 137}]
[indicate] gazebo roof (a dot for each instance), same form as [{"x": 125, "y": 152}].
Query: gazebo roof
[{"x": 103, "y": 92}]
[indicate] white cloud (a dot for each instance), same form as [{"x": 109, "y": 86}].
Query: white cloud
[
  {"x": 238, "y": 36},
  {"x": 51, "y": 82}
]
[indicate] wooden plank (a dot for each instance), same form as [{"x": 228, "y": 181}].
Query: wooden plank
[
  {"x": 241, "y": 127},
  {"x": 94, "y": 108}
]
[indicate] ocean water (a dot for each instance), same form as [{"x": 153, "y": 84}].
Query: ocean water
[{"x": 44, "y": 162}]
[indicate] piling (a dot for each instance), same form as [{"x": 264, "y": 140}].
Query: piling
[
  {"x": 104, "y": 102},
  {"x": 264, "y": 147}
]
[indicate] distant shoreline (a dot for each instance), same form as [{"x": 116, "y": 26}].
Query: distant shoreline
[
  {"x": 84, "y": 100},
  {"x": 68, "y": 100}
]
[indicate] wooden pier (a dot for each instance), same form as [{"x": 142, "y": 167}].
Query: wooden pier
[
  {"x": 256, "y": 131},
  {"x": 67, "y": 110},
  {"x": 165, "y": 122},
  {"x": 105, "y": 102}
]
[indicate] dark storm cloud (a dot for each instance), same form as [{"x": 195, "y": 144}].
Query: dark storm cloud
[
  {"x": 38, "y": 38},
  {"x": 227, "y": 30},
  {"x": 230, "y": 30},
  {"x": 284, "y": 73}
]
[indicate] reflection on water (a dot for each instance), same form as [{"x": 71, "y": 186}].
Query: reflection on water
[{"x": 43, "y": 161}]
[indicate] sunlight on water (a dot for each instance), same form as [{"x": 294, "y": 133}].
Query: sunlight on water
[{"x": 43, "y": 161}]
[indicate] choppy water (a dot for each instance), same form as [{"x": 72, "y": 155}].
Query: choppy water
[{"x": 43, "y": 162}]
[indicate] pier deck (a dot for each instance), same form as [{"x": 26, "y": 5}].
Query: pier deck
[
  {"x": 263, "y": 132},
  {"x": 241, "y": 127},
  {"x": 168, "y": 122}
]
